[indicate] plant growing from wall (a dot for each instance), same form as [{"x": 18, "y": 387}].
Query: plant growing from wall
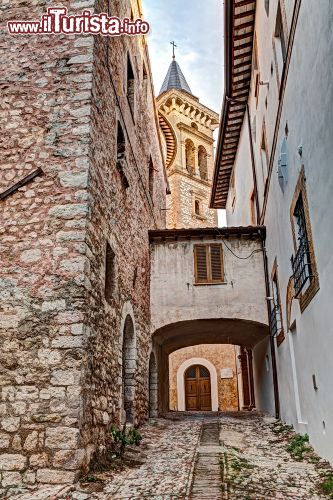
[{"x": 124, "y": 437}]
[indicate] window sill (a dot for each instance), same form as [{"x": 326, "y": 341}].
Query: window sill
[
  {"x": 198, "y": 216},
  {"x": 131, "y": 109},
  {"x": 211, "y": 284},
  {"x": 306, "y": 297},
  {"x": 280, "y": 338}
]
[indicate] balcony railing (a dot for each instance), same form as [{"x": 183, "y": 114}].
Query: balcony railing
[{"x": 301, "y": 264}]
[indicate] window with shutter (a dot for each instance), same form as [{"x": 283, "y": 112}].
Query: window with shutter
[
  {"x": 208, "y": 264},
  {"x": 201, "y": 267},
  {"x": 216, "y": 263}
]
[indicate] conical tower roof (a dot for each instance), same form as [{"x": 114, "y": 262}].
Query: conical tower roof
[{"x": 175, "y": 79}]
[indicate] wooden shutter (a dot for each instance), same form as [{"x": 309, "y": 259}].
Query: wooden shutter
[
  {"x": 216, "y": 261},
  {"x": 200, "y": 263}
]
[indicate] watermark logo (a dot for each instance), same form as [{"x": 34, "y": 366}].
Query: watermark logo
[{"x": 57, "y": 21}]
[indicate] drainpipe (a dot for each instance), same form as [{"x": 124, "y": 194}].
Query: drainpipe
[{"x": 263, "y": 246}]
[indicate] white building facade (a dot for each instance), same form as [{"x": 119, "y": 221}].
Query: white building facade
[{"x": 274, "y": 168}]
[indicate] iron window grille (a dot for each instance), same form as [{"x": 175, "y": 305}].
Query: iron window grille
[
  {"x": 301, "y": 262},
  {"x": 275, "y": 321}
]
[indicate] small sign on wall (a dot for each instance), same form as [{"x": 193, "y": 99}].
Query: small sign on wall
[{"x": 227, "y": 373}]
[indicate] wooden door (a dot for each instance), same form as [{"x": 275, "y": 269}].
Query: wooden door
[{"x": 197, "y": 389}]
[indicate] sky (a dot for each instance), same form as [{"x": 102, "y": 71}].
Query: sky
[{"x": 197, "y": 28}]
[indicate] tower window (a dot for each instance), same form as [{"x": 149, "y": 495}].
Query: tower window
[
  {"x": 267, "y": 7},
  {"x": 208, "y": 264},
  {"x": 190, "y": 156},
  {"x": 110, "y": 275},
  {"x": 202, "y": 161},
  {"x": 130, "y": 85},
  {"x": 197, "y": 207}
]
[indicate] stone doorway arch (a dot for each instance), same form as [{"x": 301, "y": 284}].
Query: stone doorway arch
[
  {"x": 153, "y": 387},
  {"x": 181, "y": 403},
  {"x": 129, "y": 361}
]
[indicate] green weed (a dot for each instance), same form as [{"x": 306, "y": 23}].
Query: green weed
[{"x": 297, "y": 446}]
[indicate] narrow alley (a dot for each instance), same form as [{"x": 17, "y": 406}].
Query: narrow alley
[
  {"x": 166, "y": 221},
  {"x": 211, "y": 456}
]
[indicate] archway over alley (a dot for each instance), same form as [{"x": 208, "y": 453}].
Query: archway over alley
[{"x": 176, "y": 336}]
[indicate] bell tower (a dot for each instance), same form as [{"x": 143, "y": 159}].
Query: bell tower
[{"x": 187, "y": 128}]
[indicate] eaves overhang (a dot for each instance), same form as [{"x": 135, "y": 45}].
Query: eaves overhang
[
  {"x": 252, "y": 232},
  {"x": 239, "y": 34}
]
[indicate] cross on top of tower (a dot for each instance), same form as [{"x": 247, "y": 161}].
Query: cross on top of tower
[
  {"x": 173, "y": 49},
  {"x": 175, "y": 78}
]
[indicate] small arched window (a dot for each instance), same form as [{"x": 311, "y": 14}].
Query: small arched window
[
  {"x": 130, "y": 85},
  {"x": 121, "y": 145},
  {"x": 145, "y": 80},
  {"x": 197, "y": 207},
  {"x": 202, "y": 162},
  {"x": 151, "y": 177},
  {"x": 110, "y": 273},
  {"x": 121, "y": 151},
  {"x": 190, "y": 156}
]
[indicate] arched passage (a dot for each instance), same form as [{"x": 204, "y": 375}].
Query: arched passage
[
  {"x": 189, "y": 333},
  {"x": 181, "y": 390},
  {"x": 128, "y": 368},
  {"x": 153, "y": 387}
]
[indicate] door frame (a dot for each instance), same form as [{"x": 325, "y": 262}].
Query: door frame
[{"x": 181, "y": 403}]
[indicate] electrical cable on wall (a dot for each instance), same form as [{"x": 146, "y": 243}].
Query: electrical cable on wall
[{"x": 233, "y": 253}]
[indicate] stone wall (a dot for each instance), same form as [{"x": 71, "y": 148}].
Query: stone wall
[
  {"x": 185, "y": 189},
  {"x": 61, "y": 361},
  {"x": 121, "y": 216},
  {"x": 221, "y": 356}
]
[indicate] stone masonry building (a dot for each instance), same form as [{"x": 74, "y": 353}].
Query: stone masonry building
[{"x": 79, "y": 119}]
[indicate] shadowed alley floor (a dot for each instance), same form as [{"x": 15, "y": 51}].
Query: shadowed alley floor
[{"x": 206, "y": 456}]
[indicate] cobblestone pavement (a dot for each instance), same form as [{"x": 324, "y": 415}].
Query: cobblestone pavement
[
  {"x": 256, "y": 464},
  {"x": 231, "y": 456}
]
